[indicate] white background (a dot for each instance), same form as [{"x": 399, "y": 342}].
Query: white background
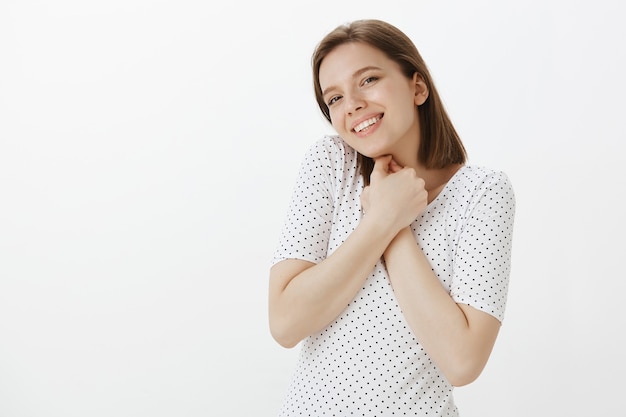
[{"x": 148, "y": 150}]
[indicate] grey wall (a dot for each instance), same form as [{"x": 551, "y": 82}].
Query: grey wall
[{"x": 147, "y": 154}]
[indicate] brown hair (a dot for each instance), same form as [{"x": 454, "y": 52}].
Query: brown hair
[{"x": 440, "y": 145}]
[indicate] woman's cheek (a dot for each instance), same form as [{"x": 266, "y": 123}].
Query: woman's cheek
[{"x": 337, "y": 121}]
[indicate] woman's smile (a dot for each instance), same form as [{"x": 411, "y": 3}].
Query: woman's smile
[{"x": 367, "y": 125}]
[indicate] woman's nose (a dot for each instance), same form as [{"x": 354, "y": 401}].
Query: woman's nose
[{"x": 355, "y": 103}]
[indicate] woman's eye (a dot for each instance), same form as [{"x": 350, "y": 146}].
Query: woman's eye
[
  {"x": 369, "y": 80},
  {"x": 333, "y": 100}
]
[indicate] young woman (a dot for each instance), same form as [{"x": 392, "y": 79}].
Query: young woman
[{"x": 393, "y": 264}]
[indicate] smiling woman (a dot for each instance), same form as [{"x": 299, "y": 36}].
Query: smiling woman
[
  {"x": 361, "y": 94},
  {"x": 393, "y": 264}
]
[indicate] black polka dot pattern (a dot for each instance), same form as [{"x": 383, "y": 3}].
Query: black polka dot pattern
[{"x": 367, "y": 362}]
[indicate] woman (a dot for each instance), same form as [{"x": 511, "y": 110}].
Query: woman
[{"x": 393, "y": 265}]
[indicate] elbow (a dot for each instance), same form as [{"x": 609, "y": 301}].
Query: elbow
[
  {"x": 286, "y": 343},
  {"x": 461, "y": 379},
  {"x": 283, "y": 339},
  {"x": 464, "y": 373},
  {"x": 282, "y": 335}
]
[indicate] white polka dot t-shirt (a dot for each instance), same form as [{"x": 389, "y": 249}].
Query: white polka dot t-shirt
[{"x": 367, "y": 362}]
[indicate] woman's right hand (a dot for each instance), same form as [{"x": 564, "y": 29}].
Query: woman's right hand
[{"x": 396, "y": 195}]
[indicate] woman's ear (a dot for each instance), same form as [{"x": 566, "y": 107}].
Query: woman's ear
[{"x": 421, "y": 89}]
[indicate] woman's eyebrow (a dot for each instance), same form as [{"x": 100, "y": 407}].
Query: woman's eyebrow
[{"x": 356, "y": 74}]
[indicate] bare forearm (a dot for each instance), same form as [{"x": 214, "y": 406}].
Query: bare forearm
[
  {"x": 306, "y": 303},
  {"x": 440, "y": 324}
]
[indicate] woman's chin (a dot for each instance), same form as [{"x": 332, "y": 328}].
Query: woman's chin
[
  {"x": 374, "y": 155},
  {"x": 370, "y": 153}
]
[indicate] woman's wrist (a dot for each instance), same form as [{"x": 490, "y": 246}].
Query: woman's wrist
[{"x": 405, "y": 235}]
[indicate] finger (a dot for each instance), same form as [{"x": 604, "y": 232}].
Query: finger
[
  {"x": 394, "y": 166},
  {"x": 381, "y": 164}
]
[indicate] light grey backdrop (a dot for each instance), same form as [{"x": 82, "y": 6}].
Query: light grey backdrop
[{"x": 147, "y": 154}]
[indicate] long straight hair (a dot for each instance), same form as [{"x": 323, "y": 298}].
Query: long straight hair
[{"x": 440, "y": 144}]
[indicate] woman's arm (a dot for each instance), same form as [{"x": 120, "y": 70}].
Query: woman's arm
[
  {"x": 457, "y": 337},
  {"x": 305, "y": 297}
]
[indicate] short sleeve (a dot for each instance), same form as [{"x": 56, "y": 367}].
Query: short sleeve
[
  {"x": 482, "y": 262},
  {"x": 307, "y": 227}
]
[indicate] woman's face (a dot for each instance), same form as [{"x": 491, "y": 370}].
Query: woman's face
[{"x": 372, "y": 104}]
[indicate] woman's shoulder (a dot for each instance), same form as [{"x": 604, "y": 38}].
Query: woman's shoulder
[
  {"x": 477, "y": 176},
  {"x": 331, "y": 144},
  {"x": 476, "y": 184},
  {"x": 333, "y": 151}
]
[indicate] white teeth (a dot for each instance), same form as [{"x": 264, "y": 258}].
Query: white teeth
[{"x": 366, "y": 123}]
